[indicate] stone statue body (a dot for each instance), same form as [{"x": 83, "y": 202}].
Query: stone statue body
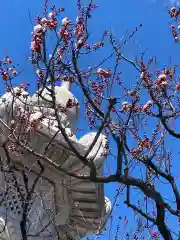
[{"x": 59, "y": 203}]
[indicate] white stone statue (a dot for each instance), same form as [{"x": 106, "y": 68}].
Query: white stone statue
[{"x": 60, "y": 203}]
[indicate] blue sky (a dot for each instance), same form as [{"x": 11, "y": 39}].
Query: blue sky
[{"x": 119, "y": 16}]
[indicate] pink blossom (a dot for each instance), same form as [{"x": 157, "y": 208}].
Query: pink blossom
[
  {"x": 80, "y": 43},
  {"x": 38, "y": 28},
  {"x": 162, "y": 77},
  {"x": 51, "y": 14},
  {"x": 147, "y": 105},
  {"x": 43, "y": 20},
  {"x": 161, "y": 81},
  {"x": 4, "y": 75},
  {"x": 33, "y": 46},
  {"x": 154, "y": 235},
  {"x": 173, "y": 9},
  {"x": 14, "y": 72},
  {"x": 103, "y": 72},
  {"x": 64, "y": 33},
  {"x": 142, "y": 75},
  {"x": 125, "y": 221},
  {"x": 145, "y": 198},
  {"x": 60, "y": 53},
  {"x": 79, "y": 20},
  {"x": 79, "y": 29}
]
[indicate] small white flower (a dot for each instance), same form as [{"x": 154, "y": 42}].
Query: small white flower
[
  {"x": 37, "y": 72},
  {"x": 77, "y": 19},
  {"x": 162, "y": 76},
  {"x": 149, "y": 102},
  {"x": 12, "y": 122},
  {"x": 79, "y": 43},
  {"x": 43, "y": 20},
  {"x": 49, "y": 79},
  {"x": 50, "y": 15},
  {"x": 142, "y": 75},
  {"x": 37, "y": 28},
  {"x": 99, "y": 70},
  {"x": 65, "y": 21},
  {"x": 173, "y": 9},
  {"x": 124, "y": 103}
]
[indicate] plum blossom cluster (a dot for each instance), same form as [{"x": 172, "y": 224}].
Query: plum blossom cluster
[
  {"x": 80, "y": 27},
  {"x": 155, "y": 235},
  {"x": 147, "y": 106},
  {"x": 98, "y": 85},
  {"x": 64, "y": 32},
  {"x": 161, "y": 82},
  {"x": 90, "y": 116},
  {"x": 41, "y": 76},
  {"x": 164, "y": 78},
  {"x": 94, "y": 47},
  {"x": 28, "y": 120},
  {"x": 79, "y": 4},
  {"x": 126, "y": 107},
  {"x": 79, "y": 30},
  {"x": 14, "y": 149},
  {"x": 174, "y": 32},
  {"x": 144, "y": 76},
  {"x": 25, "y": 123},
  {"x": 34, "y": 123},
  {"x": 104, "y": 73},
  {"x": 49, "y": 22},
  {"x": 86, "y": 10},
  {"x": 7, "y": 71},
  {"x": 80, "y": 33},
  {"x": 98, "y": 45},
  {"x": 22, "y": 116},
  {"x": 22, "y": 90},
  {"x": 43, "y": 25},
  {"x": 60, "y": 52},
  {"x": 98, "y": 88},
  {"x": 143, "y": 144},
  {"x": 37, "y": 38},
  {"x": 174, "y": 14}
]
